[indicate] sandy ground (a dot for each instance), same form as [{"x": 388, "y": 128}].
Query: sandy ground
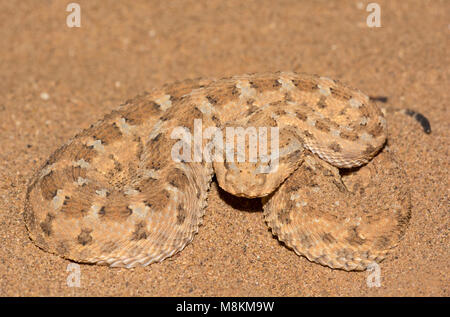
[{"x": 56, "y": 80}]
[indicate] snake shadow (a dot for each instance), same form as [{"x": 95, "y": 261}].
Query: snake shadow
[{"x": 239, "y": 203}]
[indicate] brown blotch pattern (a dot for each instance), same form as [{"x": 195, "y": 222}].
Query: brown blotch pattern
[
  {"x": 141, "y": 111},
  {"x": 328, "y": 238},
  {"x": 82, "y": 151},
  {"x": 335, "y": 147},
  {"x": 46, "y": 225},
  {"x": 181, "y": 214},
  {"x": 369, "y": 150},
  {"x": 107, "y": 133},
  {"x": 294, "y": 156},
  {"x": 177, "y": 178},
  {"x": 262, "y": 85},
  {"x": 102, "y": 211},
  {"x": 322, "y": 104},
  {"x": 353, "y": 238},
  {"x": 341, "y": 93},
  {"x": 349, "y": 135},
  {"x": 63, "y": 247},
  {"x": 76, "y": 172},
  {"x": 84, "y": 237},
  {"x": 140, "y": 232},
  {"x": 322, "y": 126},
  {"x": 305, "y": 85},
  {"x": 222, "y": 95},
  {"x": 382, "y": 242},
  {"x": 301, "y": 115},
  {"x": 284, "y": 217},
  {"x": 376, "y": 130},
  {"x": 307, "y": 134},
  {"x": 116, "y": 207},
  {"x": 50, "y": 185}
]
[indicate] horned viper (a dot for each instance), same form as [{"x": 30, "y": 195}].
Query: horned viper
[{"x": 115, "y": 194}]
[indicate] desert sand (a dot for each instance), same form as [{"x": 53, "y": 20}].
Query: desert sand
[{"x": 56, "y": 80}]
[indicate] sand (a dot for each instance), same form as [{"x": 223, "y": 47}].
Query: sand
[{"x": 56, "y": 80}]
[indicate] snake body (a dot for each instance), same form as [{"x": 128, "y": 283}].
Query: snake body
[{"x": 132, "y": 189}]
